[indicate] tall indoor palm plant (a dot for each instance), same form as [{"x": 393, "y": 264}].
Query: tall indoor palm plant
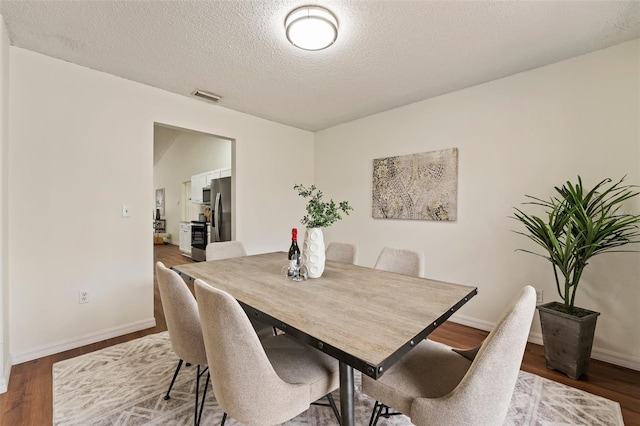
[{"x": 578, "y": 224}]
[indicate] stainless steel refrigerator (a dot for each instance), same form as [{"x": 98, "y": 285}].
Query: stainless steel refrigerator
[{"x": 221, "y": 209}]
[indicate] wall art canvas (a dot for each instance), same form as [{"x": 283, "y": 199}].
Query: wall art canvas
[
  {"x": 420, "y": 186},
  {"x": 159, "y": 213}
]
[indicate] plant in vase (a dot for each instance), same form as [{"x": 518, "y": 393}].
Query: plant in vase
[
  {"x": 578, "y": 224},
  {"x": 320, "y": 214}
]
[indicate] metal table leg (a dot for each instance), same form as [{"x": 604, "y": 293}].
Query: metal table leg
[{"x": 347, "y": 411}]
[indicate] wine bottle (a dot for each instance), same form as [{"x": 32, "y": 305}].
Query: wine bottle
[{"x": 294, "y": 253}]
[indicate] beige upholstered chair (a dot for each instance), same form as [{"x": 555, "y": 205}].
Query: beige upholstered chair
[
  {"x": 228, "y": 250},
  {"x": 406, "y": 262},
  {"x": 183, "y": 322},
  {"x": 342, "y": 252},
  {"x": 224, "y": 250},
  {"x": 435, "y": 384},
  {"x": 259, "y": 382}
]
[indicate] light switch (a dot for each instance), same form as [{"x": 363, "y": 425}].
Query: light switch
[{"x": 126, "y": 212}]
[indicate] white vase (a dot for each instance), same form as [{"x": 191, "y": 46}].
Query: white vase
[{"x": 313, "y": 252}]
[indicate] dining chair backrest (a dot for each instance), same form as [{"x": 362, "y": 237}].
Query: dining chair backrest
[
  {"x": 181, "y": 314},
  {"x": 401, "y": 261},
  {"x": 483, "y": 395},
  {"x": 342, "y": 252},
  {"x": 227, "y": 250},
  {"x": 245, "y": 383},
  {"x": 224, "y": 250}
]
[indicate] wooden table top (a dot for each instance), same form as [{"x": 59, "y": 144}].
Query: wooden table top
[{"x": 362, "y": 316}]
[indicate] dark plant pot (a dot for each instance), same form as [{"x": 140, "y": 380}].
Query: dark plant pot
[{"x": 567, "y": 338}]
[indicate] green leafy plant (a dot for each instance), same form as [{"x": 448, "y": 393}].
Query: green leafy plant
[
  {"x": 580, "y": 224},
  {"x": 320, "y": 214}
]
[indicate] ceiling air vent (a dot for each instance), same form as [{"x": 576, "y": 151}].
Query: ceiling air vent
[{"x": 206, "y": 95}]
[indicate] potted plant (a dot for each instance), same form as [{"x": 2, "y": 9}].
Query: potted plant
[
  {"x": 578, "y": 224},
  {"x": 320, "y": 214}
]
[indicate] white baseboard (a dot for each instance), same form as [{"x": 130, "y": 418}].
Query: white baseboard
[
  {"x": 54, "y": 348},
  {"x": 616, "y": 358},
  {"x": 596, "y": 353},
  {"x": 472, "y": 322},
  {"x": 4, "y": 380}
]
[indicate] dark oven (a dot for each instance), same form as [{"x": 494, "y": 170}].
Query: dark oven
[{"x": 198, "y": 240}]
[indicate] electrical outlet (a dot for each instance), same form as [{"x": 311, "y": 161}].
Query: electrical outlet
[
  {"x": 539, "y": 296},
  {"x": 83, "y": 296}
]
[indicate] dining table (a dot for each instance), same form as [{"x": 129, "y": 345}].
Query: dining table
[{"x": 366, "y": 318}]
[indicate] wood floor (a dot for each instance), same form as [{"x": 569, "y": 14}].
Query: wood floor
[{"x": 28, "y": 402}]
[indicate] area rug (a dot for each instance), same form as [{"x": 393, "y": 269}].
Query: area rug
[{"x": 125, "y": 385}]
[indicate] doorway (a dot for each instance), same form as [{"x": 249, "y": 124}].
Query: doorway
[{"x": 180, "y": 156}]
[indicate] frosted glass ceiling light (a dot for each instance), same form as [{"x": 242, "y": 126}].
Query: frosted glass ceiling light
[{"x": 311, "y": 28}]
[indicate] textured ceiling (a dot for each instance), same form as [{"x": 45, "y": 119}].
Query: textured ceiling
[{"x": 388, "y": 53}]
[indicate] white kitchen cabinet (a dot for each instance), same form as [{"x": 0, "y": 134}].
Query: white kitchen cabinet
[
  {"x": 203, "y": 179},
  {"x": 213, "y": 174},
  {"x": 185, "y": 238},
  {"x": 197, "y": 183},
  {"x": 225, "y": 172}
]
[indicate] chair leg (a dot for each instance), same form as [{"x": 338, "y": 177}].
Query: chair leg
[
  {"x": 195, "y": 415},
  {"x": 375, "y": 414},
  {"x": 175, "y": 374},
  {"x": 332, "y": 403},
  {"x": 224, "y": 418},
  {"x": 198, "y": 415}
]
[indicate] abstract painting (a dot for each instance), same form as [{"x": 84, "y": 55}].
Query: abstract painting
[
  {"x": 420, "y": 186},
  {"x": 159, "y": 203}
]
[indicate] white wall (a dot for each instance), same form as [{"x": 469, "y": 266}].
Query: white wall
[
  {"x": 518, "y": 135},
  {"x": 190, "y": 153},
  {"x": 80, "y": 146},
  {"x": 5, "y": 361}
]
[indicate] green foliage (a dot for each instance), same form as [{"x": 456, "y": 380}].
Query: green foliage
[
  {"x": 320, "y": 214},
  {"x": 580, "y": 224}
]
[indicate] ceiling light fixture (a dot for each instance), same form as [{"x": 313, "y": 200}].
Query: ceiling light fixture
[
  {"x": 311, "y": 27},
  {"x": 206, "y": 95}
]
